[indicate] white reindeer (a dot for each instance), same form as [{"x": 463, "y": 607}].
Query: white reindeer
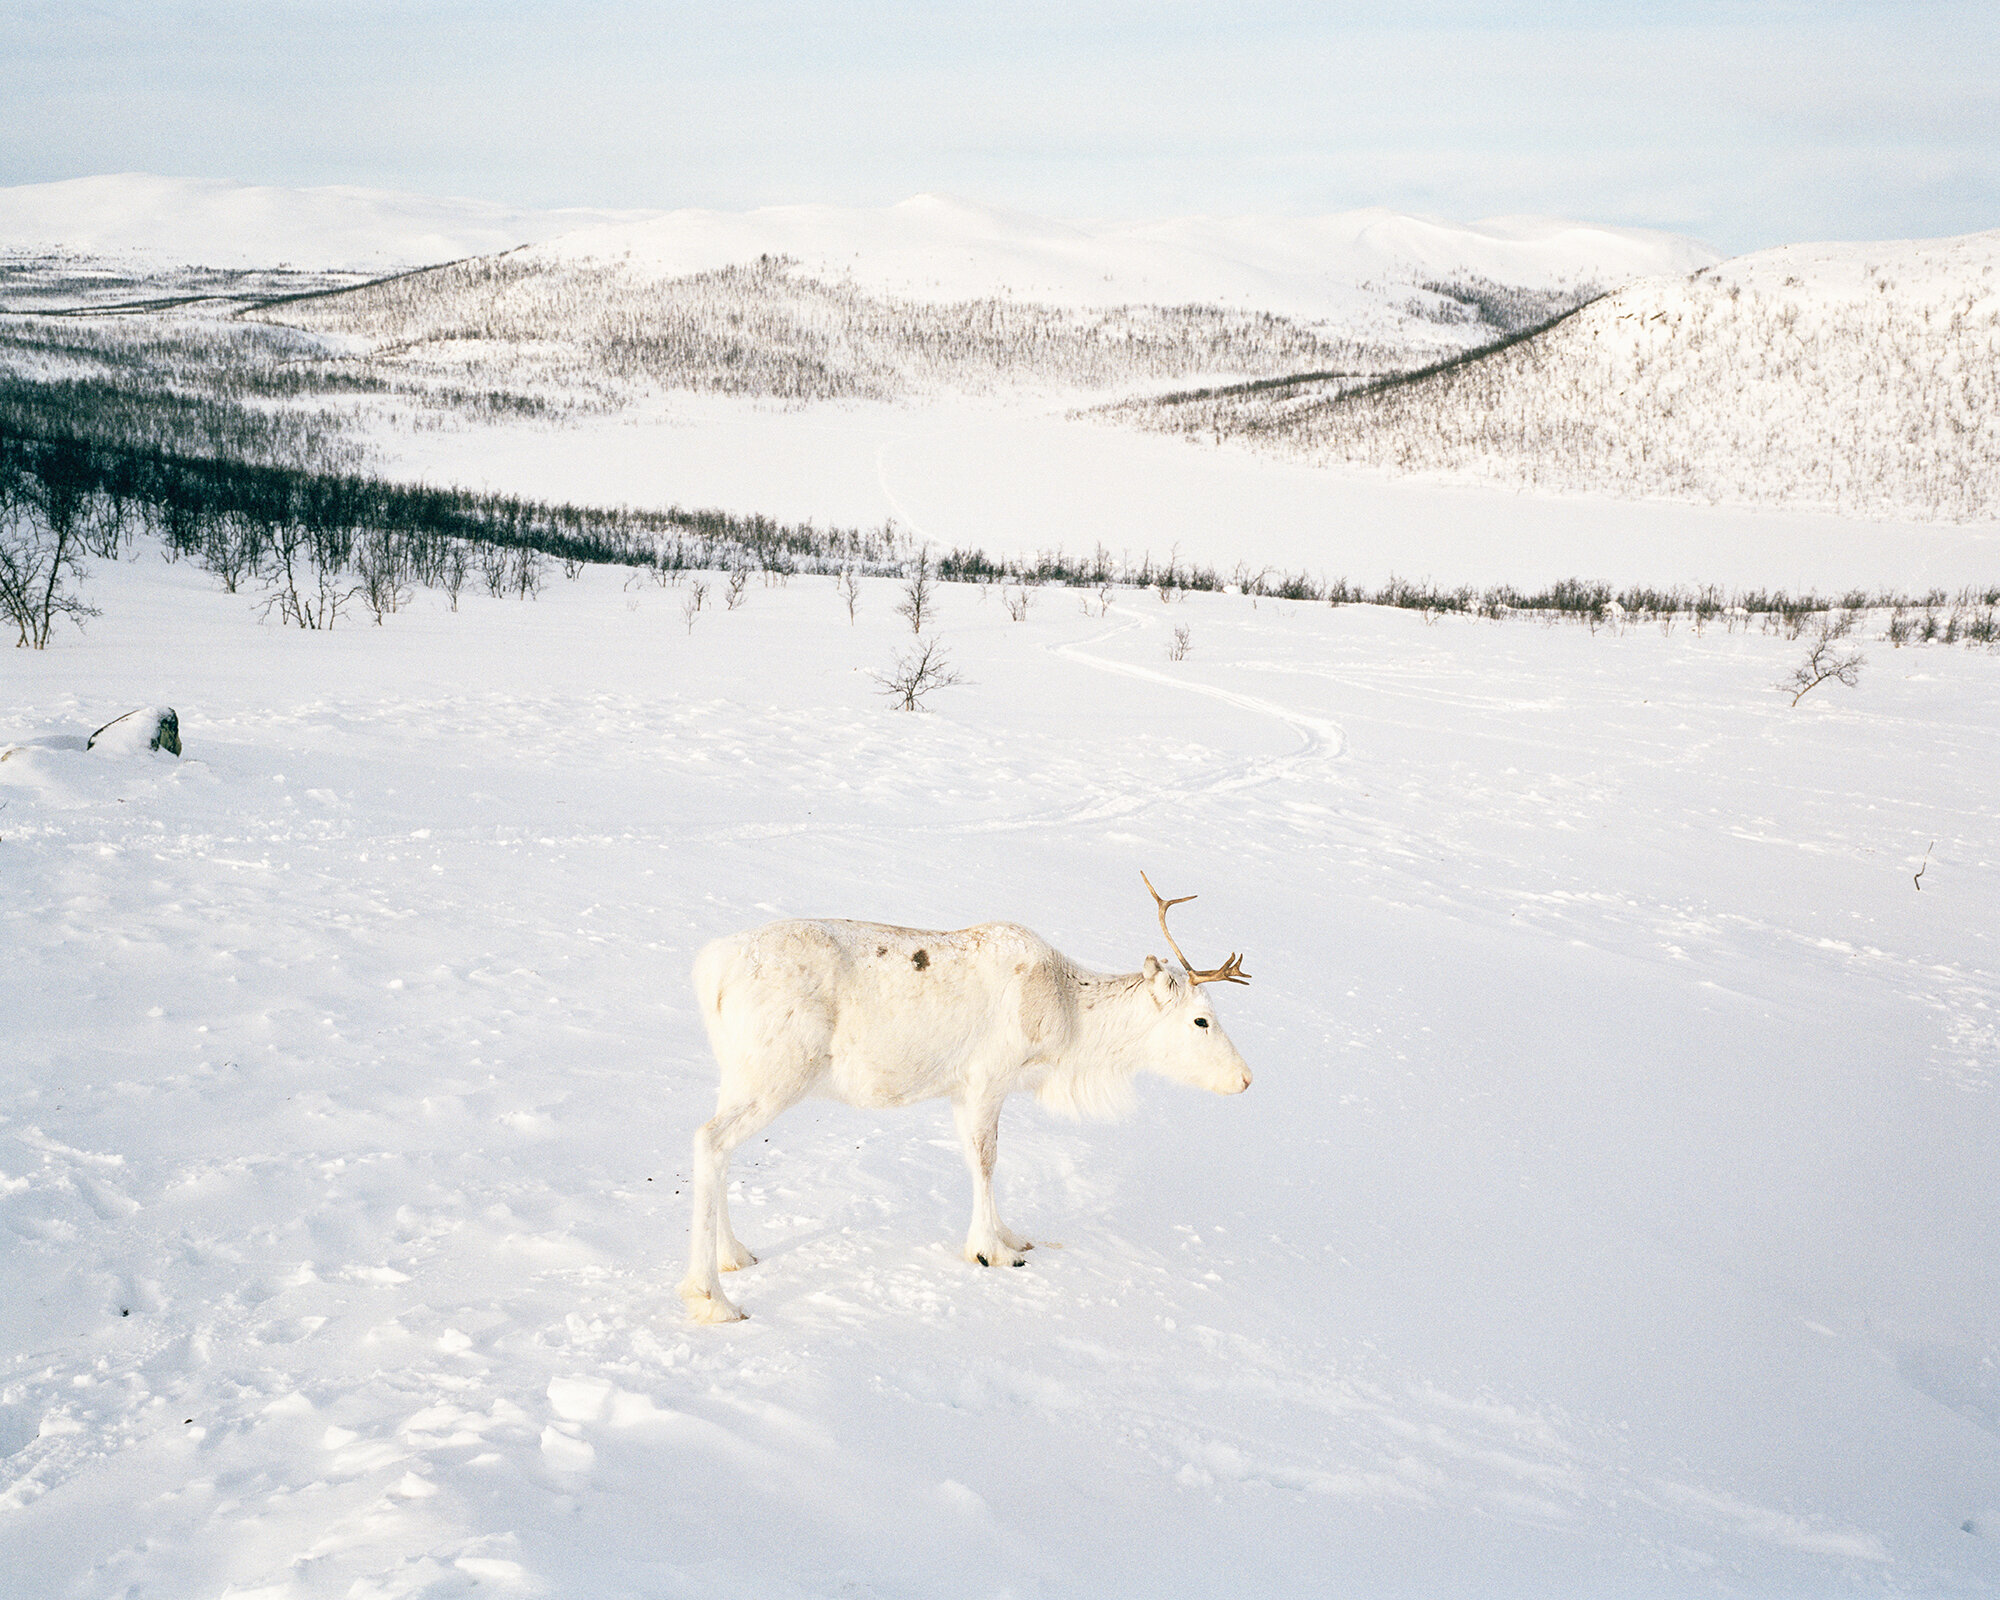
[{"x": 880, "y": 1016}]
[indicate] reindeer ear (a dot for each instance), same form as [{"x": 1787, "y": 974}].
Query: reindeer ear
[
  {"x": 1152, "y": 966},
  {"x": 1162, "y": 982}
]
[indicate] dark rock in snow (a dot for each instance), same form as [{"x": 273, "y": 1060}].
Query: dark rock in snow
[{"x": 149, "y": 728}]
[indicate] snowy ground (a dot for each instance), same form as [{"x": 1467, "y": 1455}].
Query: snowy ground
[
  {"x": 1613, "y": 1212},
  {"x": 1018, "y": 476}
]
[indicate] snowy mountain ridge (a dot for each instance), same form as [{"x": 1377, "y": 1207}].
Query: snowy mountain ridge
[
  {"x": 937, "y": 248},
  {"x": 926, "y": 248}
]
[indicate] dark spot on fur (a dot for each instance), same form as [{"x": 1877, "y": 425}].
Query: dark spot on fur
[
  {"x": 881, "y": 949},
  {"x": 920, "y": 960}
]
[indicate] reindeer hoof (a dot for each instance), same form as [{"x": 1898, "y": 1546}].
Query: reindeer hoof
[
  {"x": 705, "y": 1307},
  {"x": 1007, "y": 1255}
]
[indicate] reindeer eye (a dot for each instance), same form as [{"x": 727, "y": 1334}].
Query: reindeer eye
[{"x": 1201, "y": 1022}]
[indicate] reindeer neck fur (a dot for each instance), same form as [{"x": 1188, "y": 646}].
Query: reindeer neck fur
[{"x": 1092, "y": 1075}]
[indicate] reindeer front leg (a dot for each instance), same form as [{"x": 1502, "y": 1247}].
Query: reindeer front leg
[
  {"x": 712, "y": 1244},
  {"x": 990, "y": 1241}
]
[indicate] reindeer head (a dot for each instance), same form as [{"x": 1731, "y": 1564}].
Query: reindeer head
[{"x": 1187, "y": 1040}]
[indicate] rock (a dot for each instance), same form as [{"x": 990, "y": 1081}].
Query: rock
[{"x": 150, "y": 728}]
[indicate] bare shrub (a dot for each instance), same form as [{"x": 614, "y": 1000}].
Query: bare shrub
[
  {"x": 916, "y": 673},
  {"x": 41, "y": 549},
  {"x": 453, "y": 571},
  {"x": 849, "y": 591},
  {"x": 697, "y": 592},
  {"x": 233, "y": 547},
  {"x": 732, "y": 593},
  {"x": 304, "y": 579},
  {"x": 379, "y": 565},
  {"x": 1823, "y": 660},
  {"x": 1019, "y": 602},
  {"x": 1179, "y": 646},
  {"x": 919, "y": 604}
]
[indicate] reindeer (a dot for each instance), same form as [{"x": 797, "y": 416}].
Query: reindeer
[{"x": 880, "y": 1016}]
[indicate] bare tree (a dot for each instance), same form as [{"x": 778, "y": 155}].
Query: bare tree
[
  {"x": 41, "y": 549},
  {"x": 916, "y": 673},
  {"x": 233, "y": 547},
  {"x": 526, "y": 572},
  {"x": 1178, "y": 649},
  {"x": 849, "y": 592},
  {"x": 453, "y": 570},
  {"x": 1823, "y": 660},
  {"x": 732, "y": 594},
  {"x": 303, "y": 578},
  {"x": 919, "y": 594},
  {"x": 380, "y": 567},
  {"x": 493, "y": 568},
  {"x": 697, "y": 592},
  {"x": 1019, "y": 602}
]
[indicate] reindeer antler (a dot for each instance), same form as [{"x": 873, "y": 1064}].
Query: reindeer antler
[{"x": 1231, "y": 971}]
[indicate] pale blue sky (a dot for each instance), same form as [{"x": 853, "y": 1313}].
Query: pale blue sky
[{"x": 1744, "y": 124}]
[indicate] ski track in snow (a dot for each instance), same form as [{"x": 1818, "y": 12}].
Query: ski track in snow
[{"x": 1612, "y": 1210}]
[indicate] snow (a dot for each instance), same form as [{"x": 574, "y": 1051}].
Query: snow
[
  {"x": 1014, "y": 477},
  {"x": 214, "y": 222},
  {"x": 1612, "y": 1211},
  {"x": 1856, "y": 378},
  {"x": 929, "y": 247},
  {"x": 941, "y": 248}
]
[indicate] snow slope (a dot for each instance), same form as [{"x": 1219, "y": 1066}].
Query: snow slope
[
  {"x": 816, "y": 303},
  {"x": 939, "y": 248},
  {"x": 927, "y": 247},
  {"x": 1612, "y": 1213},
  {"x": 216, "y": 223},
  {"x": 1856, "y": 378}
]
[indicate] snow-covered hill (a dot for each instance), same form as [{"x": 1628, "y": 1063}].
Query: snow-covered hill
[
  {"x": 141, "y": 217},
  {"x": 927, "y": 247},
  {"x": 818, "y": 302},
  {"x": 556, "y": 330},
  {"x": 1334, "y": 268},
  {"x": 1860, "y": 378}
]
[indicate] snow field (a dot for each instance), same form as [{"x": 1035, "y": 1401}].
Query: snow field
[
  {"x": 1015, "y": 479},
  {"x": 1612, "y": 1210}
]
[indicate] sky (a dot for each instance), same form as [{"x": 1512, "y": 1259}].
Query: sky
[{"x": 1743, "y": 124}]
